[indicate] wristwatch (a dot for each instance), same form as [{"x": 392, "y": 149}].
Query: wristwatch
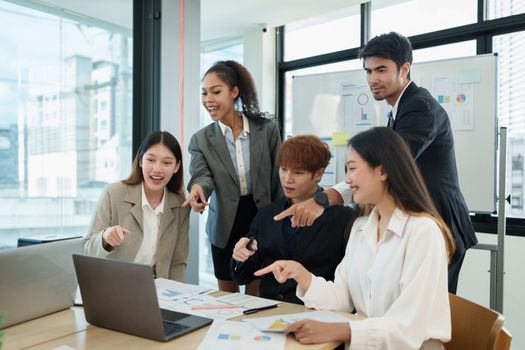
[{"x": 321, "y": 198}]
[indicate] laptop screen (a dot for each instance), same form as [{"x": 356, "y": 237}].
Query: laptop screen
[
  {"x": 122, "y": 296},
  {"x": 37, "y": 280}
]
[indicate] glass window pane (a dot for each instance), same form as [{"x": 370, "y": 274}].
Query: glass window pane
[
  {"x": 462, "y": 49},
  {"x": 322, "y": 35},
  {"x": 502, "y": 8},
  {"x": 420, "y": 16},
  {"x": 511, "y": 112},
  {"x": 65, "y": 126}
]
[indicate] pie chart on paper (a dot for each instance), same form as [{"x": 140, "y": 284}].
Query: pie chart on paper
[{"x": 262, "y": 338}]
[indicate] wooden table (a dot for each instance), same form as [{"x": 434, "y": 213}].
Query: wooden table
[{"x": 69, "y": 327}]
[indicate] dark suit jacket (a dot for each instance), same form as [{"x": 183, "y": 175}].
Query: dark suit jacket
[
  {"x": 211, "y": 167},
  {"x": 320, "y": 248},
  {"x": 425, "y": 127}
]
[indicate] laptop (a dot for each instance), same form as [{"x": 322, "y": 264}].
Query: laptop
[
  {"x": 121, "y": 296},
  {"x": 23, "y": 241},
  {"x": 37, "y": 280}
]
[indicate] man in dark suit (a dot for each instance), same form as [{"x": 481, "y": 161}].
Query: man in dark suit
[
  {"x": 425, "y": 127},
  {"x": 319, "y": 247}
]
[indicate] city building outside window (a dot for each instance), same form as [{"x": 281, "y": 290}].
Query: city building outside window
[{"x": 65, "y": 118}]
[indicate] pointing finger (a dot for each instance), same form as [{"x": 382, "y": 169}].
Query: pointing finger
[{"x": 285, "y": 213}]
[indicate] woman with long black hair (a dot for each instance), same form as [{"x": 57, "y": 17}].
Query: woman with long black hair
[{"x": 394, "y": 272}]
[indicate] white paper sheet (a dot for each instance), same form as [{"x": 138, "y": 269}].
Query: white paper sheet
[
  {"x": 279, "y": 323},
  {"x": 172, "y": 290},
  {"x": 245, "y": 302},
  {"x": 232, "y": 335}
]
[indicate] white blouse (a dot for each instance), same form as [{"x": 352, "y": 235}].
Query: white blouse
[
  {"x": 398, "y": 284},
  {"x": 150, "y": 237}
]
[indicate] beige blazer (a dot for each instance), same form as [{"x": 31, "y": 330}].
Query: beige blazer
[{"x": 120, "y": 204}]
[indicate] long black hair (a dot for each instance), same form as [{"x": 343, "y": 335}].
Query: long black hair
[
  {"x": 383, "y": 146},
  {"x": 155, "y": 138},
  {"x": 235, "y": 74}
]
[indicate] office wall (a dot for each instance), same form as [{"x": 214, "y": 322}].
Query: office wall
[{"x": 259, "y": 58}]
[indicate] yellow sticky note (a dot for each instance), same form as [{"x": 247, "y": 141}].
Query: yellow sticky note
[
  {"x": 278, "y": 325},
  {"x": 340, "y": 138}
]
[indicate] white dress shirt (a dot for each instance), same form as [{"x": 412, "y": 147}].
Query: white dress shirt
[
  {"x": 239, "y": 150},
  {"x": 398, "y": 283},
  {"x": 344, "y": 190},
  {"x": 395, "y": 106},
  {"x": 151, "y": 222}
]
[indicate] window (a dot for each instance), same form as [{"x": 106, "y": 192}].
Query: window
[
  {"x": 51, "y": 160},
  {"x": 421, "y": 16},
  {"x": 511, "y": 111},
  {"x": 462, "y": 49},
  {"x": 309, "y": 38},
  {"x": 503, "y": 8}
]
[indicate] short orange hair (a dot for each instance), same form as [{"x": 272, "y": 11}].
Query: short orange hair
[{"x": 306, "y": 152}]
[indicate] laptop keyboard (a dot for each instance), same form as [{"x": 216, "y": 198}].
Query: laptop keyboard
[{"x": 173, "y": 328}]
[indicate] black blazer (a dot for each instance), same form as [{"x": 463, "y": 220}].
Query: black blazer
[
  {"x": 425, "y": 127},
  {"x": 320, "y": 248}
]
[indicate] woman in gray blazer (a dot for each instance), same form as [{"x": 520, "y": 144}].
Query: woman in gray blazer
[
  {"x": 141, "y": 219},
  {"x": 233, "y": 161}
]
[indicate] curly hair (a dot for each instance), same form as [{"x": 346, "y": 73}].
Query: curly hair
[{"x": 235, "y": 74}]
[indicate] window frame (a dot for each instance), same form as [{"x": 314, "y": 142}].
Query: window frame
[
  {"x": 146, "y": 70},
  {"x": 483, "y": 31}
]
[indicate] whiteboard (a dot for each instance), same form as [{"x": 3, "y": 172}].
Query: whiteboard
[{"x": 466, "y": 87}]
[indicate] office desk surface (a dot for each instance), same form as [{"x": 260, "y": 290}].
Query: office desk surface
[
  {"x": 44, "y": 329},
  {"x": 69, "y": 327}
]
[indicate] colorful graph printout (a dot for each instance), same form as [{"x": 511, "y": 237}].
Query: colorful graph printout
[
  {"x": 233, "y": 335},
  {"x": 279, "y": 323},
  {"x": 456, "y": 98}
]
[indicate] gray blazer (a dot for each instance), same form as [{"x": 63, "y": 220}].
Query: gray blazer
[
  {"x": 120, "y": 204},
  {"x": 211, "y": 167}
]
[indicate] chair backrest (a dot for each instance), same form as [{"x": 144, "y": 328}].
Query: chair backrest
[
  {"x": 474, "y": 327},
  {"x": 504, "y": 339}
]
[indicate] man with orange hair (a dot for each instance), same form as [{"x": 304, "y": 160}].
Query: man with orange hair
[{"x": 302, "y": 161}]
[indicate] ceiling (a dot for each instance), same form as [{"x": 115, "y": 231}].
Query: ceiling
[
  {"x": 220, "y": 18},
  {"x": 229, "y": 18}
]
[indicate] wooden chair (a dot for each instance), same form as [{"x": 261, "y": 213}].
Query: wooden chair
[
  {"x": 504, "y": 339},
  {"x": 474, "y": 327}
]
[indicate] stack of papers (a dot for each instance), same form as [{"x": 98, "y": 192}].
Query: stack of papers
[
  {"x": 195, "y": 300},
  {"x": 221, "y": 308},
  {"x": 171, "y": 292}
]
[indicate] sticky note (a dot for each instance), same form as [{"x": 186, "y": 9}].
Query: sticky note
[
  {"x": 340, "y": 138},
  {"x": 278, "y": 324}
]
